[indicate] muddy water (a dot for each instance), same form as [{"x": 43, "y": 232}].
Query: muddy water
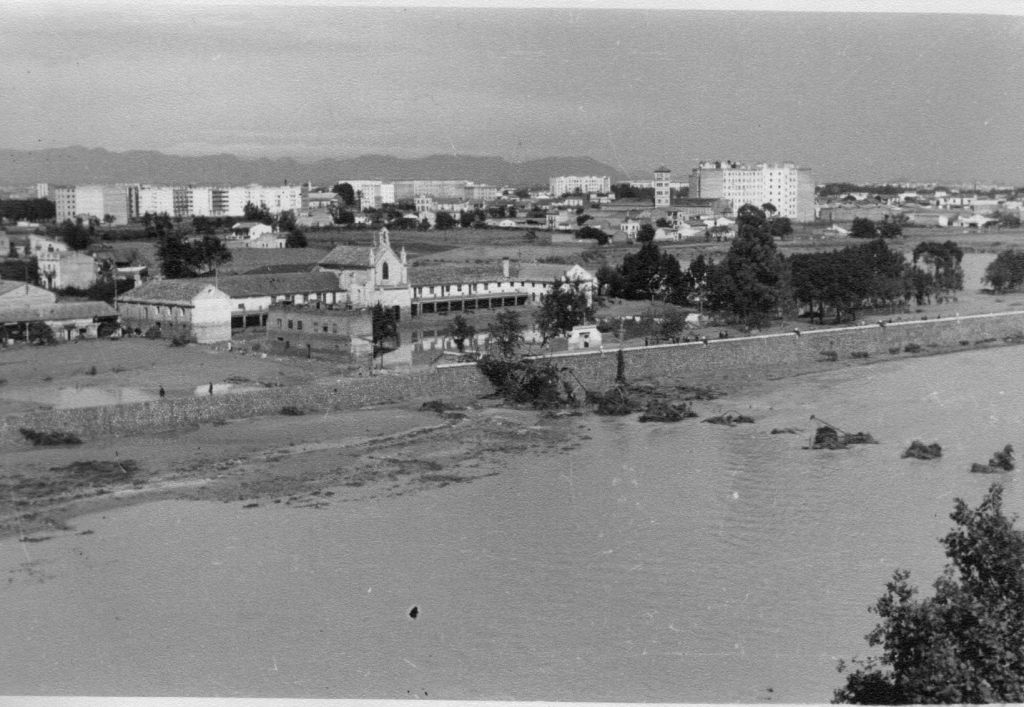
[{"x": 684, "y": 562}]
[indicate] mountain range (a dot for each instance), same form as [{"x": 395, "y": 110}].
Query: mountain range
[{"x": 81, "y": 165}]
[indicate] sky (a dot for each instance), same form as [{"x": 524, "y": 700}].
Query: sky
[{"x": 858, "y": 96}]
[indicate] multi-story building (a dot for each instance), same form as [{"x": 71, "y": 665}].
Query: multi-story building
[
  {"x": 193, "y": 201},
  {"x": 409, "y": 189},
  {"x": 662, "y": 187},
  {"x": 371, "y": 193},
  {"x": 274, "y": 199},
  {"x": 789, "y": 188},
  {"x": 480, "y": 193},
  {"x": 585, "y": 185},
  {"x": 153, "y": 199},
  {"x": 66, "y": 268},
  {"x": 42, "y": 190},
  {"x": 92, "y": 201}
]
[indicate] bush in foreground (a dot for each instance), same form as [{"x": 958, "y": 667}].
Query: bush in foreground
[{"x": 965, "y": 644}]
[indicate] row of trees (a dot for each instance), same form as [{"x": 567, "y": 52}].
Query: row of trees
[{"x": 755, "y": 282}]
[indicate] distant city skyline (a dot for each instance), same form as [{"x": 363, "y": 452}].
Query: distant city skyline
[{"x": 854, "y": 96}]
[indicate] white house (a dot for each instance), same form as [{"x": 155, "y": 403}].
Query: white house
[
  {"x": 585, "y": 336},
  {"x": 250, "y": 230},
  {"x": 193, "y": 308}
]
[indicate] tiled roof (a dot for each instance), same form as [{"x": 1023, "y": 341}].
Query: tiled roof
[
  {"x": 10, "y": 286},
  {"x": 276, "y": 283},
  {"x": 466, "y": 274},
  {"x": 58, "y": 311},
  {"x": 181, "y": 291},
  {"x": 350, "y": 256}
]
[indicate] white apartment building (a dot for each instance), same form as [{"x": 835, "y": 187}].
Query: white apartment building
[
  {"x": 478, "y": 193},
  {"x": 662, "y": 187},
  {"x": 92, "y": 201},
  {"x": 151, "y": 199},
  {"x": 586, "y": 185},
  {"x": 371, "y": 193},
  {"x": 275, "y": 199},
  {"x": 789, "y": 188}
]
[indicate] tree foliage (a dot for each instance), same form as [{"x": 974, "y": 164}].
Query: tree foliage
[
  {"x": 296, "y": 239},
  {"x": 76, "y": 234},
  {"x": 645, "y": 234},
  {"x": 444, "y": 221},
  {"x": 460, "y": 330},
  {"x": 505, "y": 334},
  {"x": 27, "y": 209},
  {"x": 346, "y": 192},
  {"x": 260, "y": 213},
  {"x": 591, "y": 233},
  {"x": 180, "y": 257},
  {"x": 384, "y": 324},
  {"x": 650, "y": 274},
  {"x": 752, "y": 282},
  {"x": 845, "y": 281},
  {"x": 1006, "y": 272},
  {"x": 965, "y": 644},
  {"x": 562, "y": 307},
  {"x": 863, "y": 228}
]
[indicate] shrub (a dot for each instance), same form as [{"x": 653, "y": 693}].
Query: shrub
[
  {"x": 965, "y": 342},
  {"x": 860, "y": 354},
  {"x": 92, "y": 371},
  {"x": 894, "y": 349},
  {"x": 292, "y": 410},
  {"x": 179, "y": 340},
  {"x": 51, "y": 438},
  {"x": 153, "y": 332},
  {"x": 829, "y": 356},
  {"x": 912, "y": 348}
]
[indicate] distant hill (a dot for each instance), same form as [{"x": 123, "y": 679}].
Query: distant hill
[{"x": 80, "y": 165}]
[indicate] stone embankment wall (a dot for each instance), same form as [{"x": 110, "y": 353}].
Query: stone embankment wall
[
  {"x": 594, "y": 369},
  {"x": 597, "y": 370},
  {"x": 181, "y": 413}
]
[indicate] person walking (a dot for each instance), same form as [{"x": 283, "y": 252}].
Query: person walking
[
  {"x": 163, "y": 393},
  {"x": 211, "y": 388}
]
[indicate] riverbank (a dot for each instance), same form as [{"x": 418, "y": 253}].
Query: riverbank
[{"x": 321, "y": 458}]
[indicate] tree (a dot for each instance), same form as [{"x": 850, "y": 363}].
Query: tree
[
  {"x": 208, "y": 254},
  {"x": 444, "y": 221},
  {"x": 591, "y": 233},
  {"x": 179, "y": 258},
  {"x": 459, "y": 330},
  {"x": 1006, "y": 272},
  {"x": 286, "y": 221},
  {"x": 346, "y": 192},
  {"x": 965, "y": 644},
  {"x": 863, "y": 228},
  {"x": 466, "y": 219},
  {"x": 260, "y": 213},
  {"x": 609, "y": 280},
  {"x": 650, "y": 273},
  {"x": 296, "y": 239},
  {"x": 752, "y": 281},
  {"x": 780, "y": 227},
  {"x": 645, "y": 234},
  {"x": 505, "y": 334},
  {"x": 562, "y": 307},
  {"x": 889, "y": 228},
  {"x": 384, "y": 329},
  {"x": 75, "y": 234}
]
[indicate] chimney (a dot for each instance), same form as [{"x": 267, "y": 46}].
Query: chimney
[{"x": 504, "y": 268}]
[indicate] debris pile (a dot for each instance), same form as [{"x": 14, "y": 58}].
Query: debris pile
[
  {"x": 1000, "y": 462},
  {"x": 920, "y": 450}
]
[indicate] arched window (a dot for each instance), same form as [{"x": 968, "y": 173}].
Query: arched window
[{"x": 384, "y": 271}]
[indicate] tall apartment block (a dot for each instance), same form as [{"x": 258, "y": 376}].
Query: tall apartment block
[
  {"x": 789, "y": 188},
  {"x": 662, "y": 187},
  {"x": 586, "y": 185},
  {"x": 92, "y": 201}
]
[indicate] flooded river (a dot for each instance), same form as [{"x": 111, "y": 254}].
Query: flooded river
[{"x": 685, "y": 562}]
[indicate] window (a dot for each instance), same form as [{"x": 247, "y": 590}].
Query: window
[
  {"x": 298, "y": 324},
  {"x": 384, "y": 271},
  {"x": 279, "y": 324},
  {"x": 289, "y": 323}
]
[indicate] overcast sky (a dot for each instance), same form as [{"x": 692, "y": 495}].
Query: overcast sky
[{"x": 852, "y": 95}]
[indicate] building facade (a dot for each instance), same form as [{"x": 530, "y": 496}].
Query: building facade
[
  {"x": 585, "y": 185},
  {"x": 789, "y": 188},
  {"x": 662, "y": 187},
  {"x": 370, "y": 276}
]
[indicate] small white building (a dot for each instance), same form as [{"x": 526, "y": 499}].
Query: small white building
[
  {"x": 585, "y": 336},
  {"x": 250, "y": 230}
]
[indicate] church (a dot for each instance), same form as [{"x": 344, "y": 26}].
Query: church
[{"x": 371, "y": 275}]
